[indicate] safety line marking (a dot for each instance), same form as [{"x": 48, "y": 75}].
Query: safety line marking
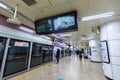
[{"x": 21, "y": 76}]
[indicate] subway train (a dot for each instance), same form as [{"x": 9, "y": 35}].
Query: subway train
[{"x": 20, "y": 51}]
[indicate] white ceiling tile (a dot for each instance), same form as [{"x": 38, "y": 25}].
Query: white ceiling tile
[
  {"x": 46, "y": 13},
  {"x": 61, "y": 9},
  {"x": 95, "y": 12},
  {"x": 56, "y": 1},
  {"x": 54, "y": 11},
  {"x": 97, "y": 6},
  {"x": 28, "y": 10},
  {"x": 113, "y": 5},
  {"x": 80, "y": 6}
]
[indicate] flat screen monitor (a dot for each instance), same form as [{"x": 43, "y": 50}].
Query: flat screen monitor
[
  {"x": 57, "y": 24},
  {"x": 44, "y": 26},
  {"x": 66, "y": 22}
]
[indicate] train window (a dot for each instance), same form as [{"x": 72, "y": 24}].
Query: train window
[
  {"x": 2, "y": 48},
  {"x": 17, "y": 58},
  {"x": 36, "y": 58}
]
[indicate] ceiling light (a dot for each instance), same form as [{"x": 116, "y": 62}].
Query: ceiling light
[
  {"x": 66, "y": 35},
  {"x": 56, "y": 36},
  {"x": 98, "y": 16},
  {"x": 3, "y": 6},
  {"x": 26, "y": 29}
]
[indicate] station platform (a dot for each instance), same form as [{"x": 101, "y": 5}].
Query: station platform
[{"x": 69, "y": 68}]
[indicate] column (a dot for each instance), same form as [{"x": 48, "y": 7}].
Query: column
[
  {"x": 111, "y": 33},
  {"x": 95, "y": 50}
]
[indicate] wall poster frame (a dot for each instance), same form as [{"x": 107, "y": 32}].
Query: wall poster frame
[{"x": 105, "y": 51}]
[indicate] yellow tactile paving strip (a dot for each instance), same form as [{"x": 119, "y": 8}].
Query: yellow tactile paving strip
[{"x": 21, "y": 76}]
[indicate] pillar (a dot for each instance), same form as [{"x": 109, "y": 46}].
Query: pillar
[
  {"x": 111, "y": 33},
  {"x": 95, "y": 50}
]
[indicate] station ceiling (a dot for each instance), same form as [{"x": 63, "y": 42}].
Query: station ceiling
[{"x": 46, "y": 8}]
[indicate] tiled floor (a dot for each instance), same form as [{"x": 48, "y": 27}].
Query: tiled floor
[{"x": 69, "y": 68}]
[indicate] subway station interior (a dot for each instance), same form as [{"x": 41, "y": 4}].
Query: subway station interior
[{"x": 59, "y": 40}]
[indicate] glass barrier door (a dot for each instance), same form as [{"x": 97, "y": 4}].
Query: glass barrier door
[
  {"x": 2, "y": 48},
  {"x": 17, "y": 57},
  {"x": 45, "y": 53},
  {"x": 62, "y": 53},
  {"x": 36, "y": 58},
  {"x": 50, "y": 53}
]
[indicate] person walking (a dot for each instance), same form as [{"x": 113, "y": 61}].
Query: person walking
[
  {"x": 80, "y": 55},
  {"x": 70, "y": 52},
  {"x": 77, "y": 52},
  {"x": 57, "y": 55}
]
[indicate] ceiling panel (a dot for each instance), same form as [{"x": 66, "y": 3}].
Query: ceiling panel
[
  {"x": 56, "y": 1},
  {"x": 83, "y": 27},
  {"x": 98, "y": 4},
  {"x": 5, "y": 13},
  {"x": 80, "y": 6},
  {"x": 44, "y": 14},
  {"x": 95, "y": 12},
  {"x": 40, "y": 6},
  {"x": 62, "y": 9},
  {"x": 28, "y": 10},
  {"x": 113, "y": 5},
  {"x": 54, "y": 11}
]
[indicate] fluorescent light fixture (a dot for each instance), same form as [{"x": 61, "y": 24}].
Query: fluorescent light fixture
[
  {"x": 26, "y": 29},
  {"x": 56, "y": 36},
  {"x": 98, "y": 16},
  {"x": 45, "y": 37},
  {"x": 3, "y": 6},
  {"x": 66, "y": 35}
]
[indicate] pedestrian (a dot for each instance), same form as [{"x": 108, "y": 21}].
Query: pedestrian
[
  {"x": 77, "y": 52},
  {"x": 70, "y": 52},
  {"x": 57, "y": 55},
  {"x": 80, "y": 55}
]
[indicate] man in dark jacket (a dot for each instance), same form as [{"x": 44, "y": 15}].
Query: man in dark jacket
[
  {"x": 57, "y": 55},
  {"x": 80, "y": 55}
]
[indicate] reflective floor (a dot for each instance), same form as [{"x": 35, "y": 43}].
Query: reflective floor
[{"x": 69, "y": 68}]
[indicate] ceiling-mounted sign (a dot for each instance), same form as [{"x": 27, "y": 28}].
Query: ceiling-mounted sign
[
  {"x": 105, "y": 52},
  {"x": 57, "y": 24}
]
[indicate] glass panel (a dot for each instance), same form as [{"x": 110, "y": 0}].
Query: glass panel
[
  {"x": 17, "y": 58},
  {"x": 36, "y": 58},
  {"x": 50, "y": 53},
  {"x": 62, "y": 53},
  {"x": 47, "y": 53},
  {"x": 2, "y": 48},
  {"x": 67, "y": 52}
]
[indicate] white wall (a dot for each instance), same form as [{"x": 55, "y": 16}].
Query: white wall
[
  {"x": 95, "y": 50},
  {"x": 111, "y": 33}
]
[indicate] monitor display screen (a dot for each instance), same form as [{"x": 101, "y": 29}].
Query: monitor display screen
[
  {"x": 64, "y": 22},
  {"x": 57, "y": 24},
  {"x": 43, "y": 26}
]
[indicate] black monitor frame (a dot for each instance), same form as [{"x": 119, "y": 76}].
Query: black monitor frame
[{"x": 74, "y": 27}]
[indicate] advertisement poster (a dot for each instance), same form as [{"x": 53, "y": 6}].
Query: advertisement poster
[{"x": 105, "y": 52}]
